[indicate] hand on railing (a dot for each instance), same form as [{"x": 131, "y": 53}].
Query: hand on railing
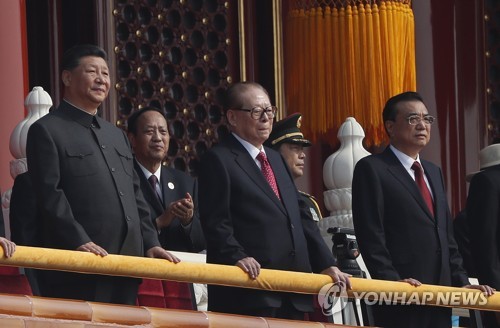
[
  {"x": 160, "y": 253},
  {"x": 250, "y": 266},
  {"x": 411, "y": 281},
  {"x": 487, "y": 290},
  {"x": 8, "y": 246},
  {"x": 92, "y": 248},
  {"x": 338, "y": 276}
]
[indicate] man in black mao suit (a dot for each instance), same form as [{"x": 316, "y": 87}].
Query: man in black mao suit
[
  {"x": 247, "y": 223},
  {"x": 400, "y": 237},
  {"x": 175, "y": 212},
  {"x": 88, "y": 193}
]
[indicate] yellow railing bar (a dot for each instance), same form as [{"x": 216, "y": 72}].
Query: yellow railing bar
[{"x": 276, "y": 280}]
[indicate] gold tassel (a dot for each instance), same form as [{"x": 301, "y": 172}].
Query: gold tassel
[{"x": 346, "y": 59}]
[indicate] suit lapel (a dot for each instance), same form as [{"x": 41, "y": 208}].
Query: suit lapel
[
  {"x": 248, "y": 165},
  {"x": 434, "y": 177},
  {"x": 168, "y": 186},
  {"x": 147, "y": 190},
  {"x": 399, "y": 172}
]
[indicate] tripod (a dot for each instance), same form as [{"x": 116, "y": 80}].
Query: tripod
[{"x": 345, "y": 250}]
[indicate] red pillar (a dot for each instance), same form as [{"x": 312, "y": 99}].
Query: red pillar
[{"x": 13, "y": 78}]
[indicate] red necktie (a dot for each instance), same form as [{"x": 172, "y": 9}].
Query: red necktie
[
  {"x": 267, "y": 171},
  {"x": 424, "y": 190},
  {"x": 153, "y": 181}
]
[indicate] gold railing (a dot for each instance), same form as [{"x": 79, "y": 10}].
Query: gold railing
[{"x": 275, "y": 280}]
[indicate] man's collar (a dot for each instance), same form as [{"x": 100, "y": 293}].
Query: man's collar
[
  {"x": 81, "y": 116},
  {"x": 251, "y": 149},
  {"x": 406, "y": 160},
  {"x": 146, "y": 172}
]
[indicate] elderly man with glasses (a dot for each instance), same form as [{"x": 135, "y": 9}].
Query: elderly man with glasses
[
  {"x": 401, "y": 216},
  {"x": 250, "y": 213}
]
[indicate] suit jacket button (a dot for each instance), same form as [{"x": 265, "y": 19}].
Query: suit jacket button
[
  {"x": 103, "y": 146},
  {"x": 292, "y": 253},
  {"x": 112, "y": 169},
  {"x": 292, "y": 226},
  {"x": 128, "y": 218},
  {"x": 121, "y": 193}
]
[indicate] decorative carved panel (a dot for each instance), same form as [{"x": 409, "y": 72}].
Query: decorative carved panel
[
  {"x": 176, "y": 55},
  {"x": 492, "y": 38}
]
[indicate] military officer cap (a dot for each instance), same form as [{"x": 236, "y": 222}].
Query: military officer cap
[{"x": 287, "y": 131}]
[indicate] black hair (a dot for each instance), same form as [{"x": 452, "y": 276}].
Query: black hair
[
  {"x": 132, "y": 119},
  {"x": 391, "y": 106},
  {"x": 232, "y": 99},
  {"x": 71, "y": 58}
]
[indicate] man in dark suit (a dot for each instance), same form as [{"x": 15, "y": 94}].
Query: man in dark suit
[
  {"x": 250, "y": 213},
  {"x": 174, "y": 206},
  {"x": 401, "y": 236},
  {"x": 88, "y": 193},
  {"x": 25, "y": 223},
  {"x": 172, "y": 201},
  {"x": 483, "y": 221}
]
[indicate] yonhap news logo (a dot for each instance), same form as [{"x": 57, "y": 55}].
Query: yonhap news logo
[{"x": 332, "y": 294}]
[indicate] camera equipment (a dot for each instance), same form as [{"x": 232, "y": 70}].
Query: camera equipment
[{"x": 345, "y": 250}]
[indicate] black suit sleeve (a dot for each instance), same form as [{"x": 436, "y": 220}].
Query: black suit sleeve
[
  {"x": 215, "y": 212},
  {"x": 24, "y": 222},
  {"x": 459, "y": 276},
  {"x": 196, "y": 238},
  {"x": 148, "y": 229},
  {"x": 483, "y": 210},
  {"x": 368, "y": 214}
]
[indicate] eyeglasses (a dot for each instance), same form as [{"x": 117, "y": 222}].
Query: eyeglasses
[
  {"x": 416, "y": 119},
  {"x": 258, "y": 112}
]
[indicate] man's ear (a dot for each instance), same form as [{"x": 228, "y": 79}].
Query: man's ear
[
  {"x": 231, "y": 118},
  {"x": 131, "y": 139},
  {"x": 389, "y": 126},
  {"x": 66, "y": 78}
]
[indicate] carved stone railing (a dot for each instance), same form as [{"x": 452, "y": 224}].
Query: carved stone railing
[{"x": 37, "y": 103}]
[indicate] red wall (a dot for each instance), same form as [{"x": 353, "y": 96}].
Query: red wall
[{"x": 13, "y": 79}]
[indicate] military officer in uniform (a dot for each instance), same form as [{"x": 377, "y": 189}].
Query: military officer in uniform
[{"x": 288, "y": 140}]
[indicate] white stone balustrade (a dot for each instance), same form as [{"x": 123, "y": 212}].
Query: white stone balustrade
[
  {"x": 338, "y": 170},
  {"x": 38, "y": 103}
]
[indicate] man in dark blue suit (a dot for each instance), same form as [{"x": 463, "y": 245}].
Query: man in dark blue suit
[
  {"x": 250, "y": 213},
  {"x": 401, "y": 236}
]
